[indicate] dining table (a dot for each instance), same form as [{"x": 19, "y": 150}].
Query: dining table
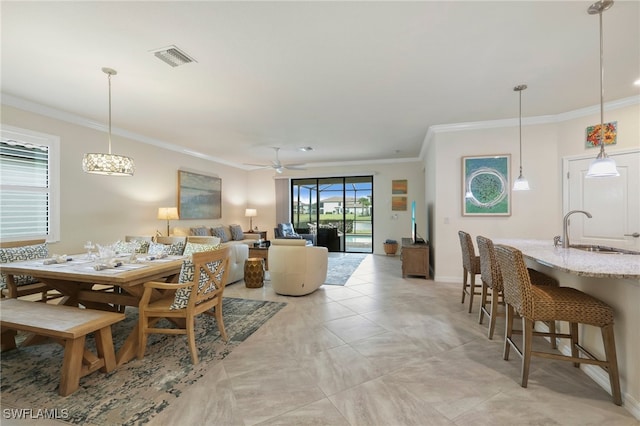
[{"x": 82, "y": 281}]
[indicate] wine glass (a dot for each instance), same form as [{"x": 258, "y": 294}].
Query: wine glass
[{"x": 89, "y": 246}]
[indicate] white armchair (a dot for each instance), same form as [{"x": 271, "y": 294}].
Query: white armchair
[{"x": 295, "y": 268}]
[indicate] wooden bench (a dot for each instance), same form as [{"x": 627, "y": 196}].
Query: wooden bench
[{"x": 69, "y": 325}]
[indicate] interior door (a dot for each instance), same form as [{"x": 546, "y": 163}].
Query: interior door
[{"x": 614, "y": 203}]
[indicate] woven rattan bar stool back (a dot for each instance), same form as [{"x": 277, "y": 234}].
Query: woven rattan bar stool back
[
  {"x": 492, "y": 283},
  {"x": 470, "y": 268},
  {"x": 550, "y": 303}
]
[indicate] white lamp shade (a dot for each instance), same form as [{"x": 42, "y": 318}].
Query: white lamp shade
[
  {"x": 251, "y": 213},
  {"x": 521, "y": 184},
  {"x": 602, "y": 167},
  {"x": 108, "y": 164},
  {"x": 168, "y": 213}
]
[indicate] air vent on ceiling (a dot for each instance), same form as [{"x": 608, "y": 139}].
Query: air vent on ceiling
[{"x": 173, "y": 56}]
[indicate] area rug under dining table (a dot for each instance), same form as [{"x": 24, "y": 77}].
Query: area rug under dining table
[{"x": 139, "y": 389}]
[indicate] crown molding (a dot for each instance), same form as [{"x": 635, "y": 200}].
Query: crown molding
[
  {"x": 34, "y": 107},
  {"x": 526, "y": 121}
]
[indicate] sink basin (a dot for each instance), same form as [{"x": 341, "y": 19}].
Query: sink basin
[{"x": 603, "y": 249}]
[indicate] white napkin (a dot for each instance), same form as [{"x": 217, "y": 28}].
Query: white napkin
[
  {"x": 112, "y": 263},
  {"x": 156, "y": 256},
  {"x": 57, "y": 259}
]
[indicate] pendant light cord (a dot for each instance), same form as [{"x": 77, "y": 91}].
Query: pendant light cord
[
  {"x": 519, "y": 89},
  {"x": 109, "y": 77},
  {"x": 602, "y": 153}
]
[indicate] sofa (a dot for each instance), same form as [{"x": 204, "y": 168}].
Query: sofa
[
  {"x": 296, "y": 269},
  {"x": 229, "y": 236}
]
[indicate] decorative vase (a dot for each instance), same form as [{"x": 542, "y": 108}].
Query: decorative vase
[{"x": 390, "y": 249}]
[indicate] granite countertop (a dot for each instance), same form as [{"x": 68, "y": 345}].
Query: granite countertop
[{"x": 578, "y": 262}]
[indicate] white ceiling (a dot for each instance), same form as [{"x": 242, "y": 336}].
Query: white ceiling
[{"x": 353, "y": 80}]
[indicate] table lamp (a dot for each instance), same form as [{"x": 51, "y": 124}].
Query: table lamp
[
  {"x": 168, "y": 213},
  {"x": 251, "y": 213}
]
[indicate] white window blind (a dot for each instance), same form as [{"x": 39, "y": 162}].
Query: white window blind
[{"x": 27, "y": 198}]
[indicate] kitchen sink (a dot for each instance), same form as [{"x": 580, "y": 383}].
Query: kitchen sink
[{"x": 603, "y": 249}]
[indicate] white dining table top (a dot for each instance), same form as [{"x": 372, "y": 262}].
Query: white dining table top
[{"x": 79, "y": 268}]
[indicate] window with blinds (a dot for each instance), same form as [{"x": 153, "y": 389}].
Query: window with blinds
[{"x": 26, "y": 196}]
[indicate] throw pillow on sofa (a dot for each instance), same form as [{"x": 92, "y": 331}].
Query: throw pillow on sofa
[
  {"x": 200, "y": 231},
  {"x": 221, "y": 232},
  {"x": 236, "y": 232},
  {"x": 287, "y": 231}
]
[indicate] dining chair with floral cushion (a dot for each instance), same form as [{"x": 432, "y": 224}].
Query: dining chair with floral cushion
[{"x": 199, "y": 290}]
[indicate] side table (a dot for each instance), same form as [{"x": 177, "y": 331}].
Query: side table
[
  {"x": 262, "y": 253},
  {"x": 254, "y": 272},
  {"x": 263, "y": 234}
]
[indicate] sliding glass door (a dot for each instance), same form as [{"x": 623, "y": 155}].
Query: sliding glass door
[{"x": 338, "y": 210}]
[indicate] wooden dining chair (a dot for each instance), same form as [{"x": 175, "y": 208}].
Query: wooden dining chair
[
  {"x": 470, "y": 268},
  {"x": 199, "y": 290},
  {"x": 170, "y": 240},
  {"x": 131, "y": 238},
  {"x": 199, "y": 239},
  {"x": 14, "y": 290},
  {"x": 550, "y": 303}
]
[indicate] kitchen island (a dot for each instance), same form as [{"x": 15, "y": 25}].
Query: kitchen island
[
  {"x": 614, "y": 279},
  {"x": 576, "y": 261}
]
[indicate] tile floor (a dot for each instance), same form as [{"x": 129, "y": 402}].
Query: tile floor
[{"x": 383, "y": 350}]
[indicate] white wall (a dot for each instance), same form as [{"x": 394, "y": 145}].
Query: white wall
[
  {"x": 534, "y": 214},
  {"x": 386, "y": 225},
  {"x": 106, "y": 208}
]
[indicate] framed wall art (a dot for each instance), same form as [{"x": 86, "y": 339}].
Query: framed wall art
[
  {"x": 592, "y": 134},
  {"x": 399, "y": 187},
  {"x": 486, "y": 189},
  {"x": 398, "y": 203},
  {"x": 199, "y": 196}
]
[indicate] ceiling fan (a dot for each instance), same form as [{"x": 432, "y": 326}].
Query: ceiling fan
[{"x": 277, "y": 165}]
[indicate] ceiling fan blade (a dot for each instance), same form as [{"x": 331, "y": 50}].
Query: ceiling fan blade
[
  {"x": 263, "y": 166},
  {"x": 294, "y": 167}
]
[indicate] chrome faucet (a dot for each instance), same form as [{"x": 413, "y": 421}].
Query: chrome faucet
[{"x": 565, "y": 226}]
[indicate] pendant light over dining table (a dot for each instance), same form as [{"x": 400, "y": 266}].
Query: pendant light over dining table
[
  {"x": 108, "y": 164},
  {"x": 520, "y": 184},
  {"x": 602, "y": 166}
]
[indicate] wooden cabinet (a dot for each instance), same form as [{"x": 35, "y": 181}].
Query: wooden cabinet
[{"x": 415, "y": 258}]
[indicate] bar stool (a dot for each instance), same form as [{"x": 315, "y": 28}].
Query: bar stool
[
  {"x": 470, "y": 267},
  {"x": 549, "y": 303},
  {"x": 491, "y": 276}
]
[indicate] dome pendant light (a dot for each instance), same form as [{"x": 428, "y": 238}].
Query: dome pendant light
[
  {"x": 602, "y": 166},
  {"x": 520, "y": 184},
  {"x": 108, "y": 164}
]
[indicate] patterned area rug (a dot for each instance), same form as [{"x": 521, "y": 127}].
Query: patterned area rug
[
  {"x": 341, "y": 266},
  {"x": 138, "y": 390}
]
